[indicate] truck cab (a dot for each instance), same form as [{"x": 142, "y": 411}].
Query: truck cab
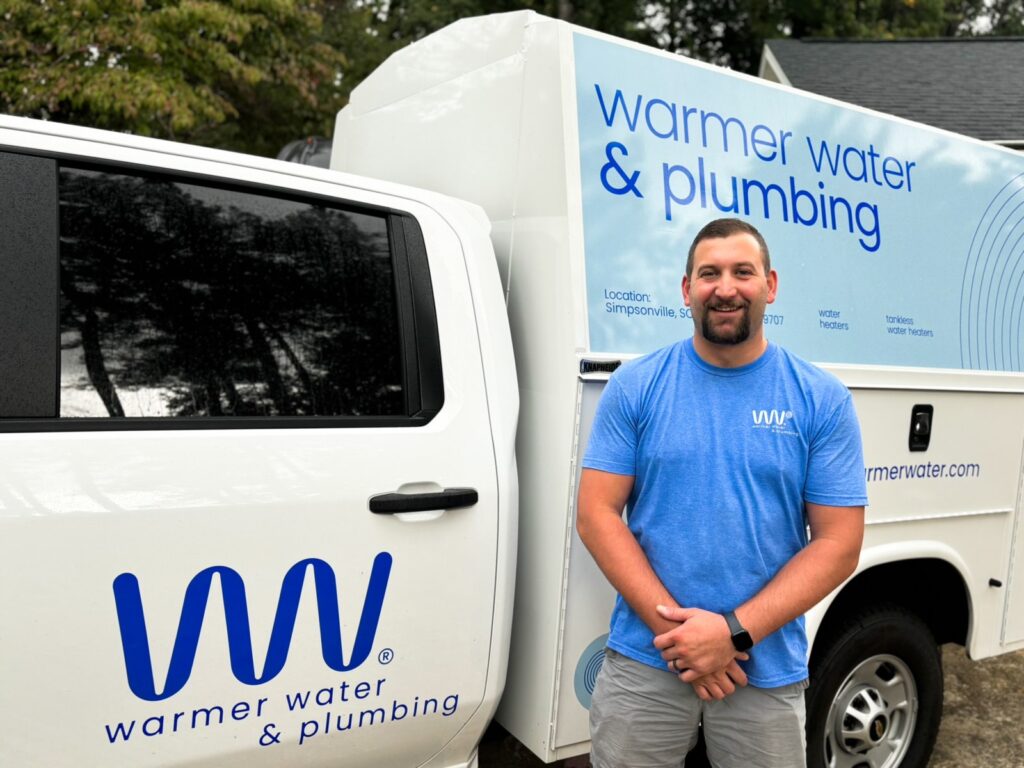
[{"x": 258, "y": 496}]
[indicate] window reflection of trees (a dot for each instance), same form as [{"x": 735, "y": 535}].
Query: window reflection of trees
[{"x": 262, "y": 307}]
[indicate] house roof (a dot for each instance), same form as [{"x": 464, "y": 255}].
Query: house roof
[{"x": 967, "y": 85}]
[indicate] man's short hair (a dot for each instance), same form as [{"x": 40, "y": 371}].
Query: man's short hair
[{"x": 728, "y": 228}]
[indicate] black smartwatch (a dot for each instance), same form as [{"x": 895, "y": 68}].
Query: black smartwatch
[{"x": 741, "y": 639}]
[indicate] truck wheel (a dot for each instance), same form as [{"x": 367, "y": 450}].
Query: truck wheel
[{"x": 875, "y": 698}]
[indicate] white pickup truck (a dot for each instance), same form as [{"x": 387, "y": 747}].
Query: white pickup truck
[{"x": 259, "y": 494}]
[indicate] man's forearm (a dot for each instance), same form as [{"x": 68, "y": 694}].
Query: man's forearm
[
  {"x": 619, "y": 556},
  {"x": 703, "y": 640},
  {"x": 799, "y": 586}
]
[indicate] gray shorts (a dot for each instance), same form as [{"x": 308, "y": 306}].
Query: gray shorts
[{"x": 642, "y": 717}]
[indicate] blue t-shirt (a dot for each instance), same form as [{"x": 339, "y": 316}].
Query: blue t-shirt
[{"x": 723, "y": 461}]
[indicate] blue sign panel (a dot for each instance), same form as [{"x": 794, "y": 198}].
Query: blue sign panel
[{"x": 895, "y": 244}]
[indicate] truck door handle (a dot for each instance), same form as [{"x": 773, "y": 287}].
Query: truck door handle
[{"x": 449, "y": 498}]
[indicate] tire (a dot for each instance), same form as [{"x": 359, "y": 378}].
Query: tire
[{"x": 866, "y": 677}]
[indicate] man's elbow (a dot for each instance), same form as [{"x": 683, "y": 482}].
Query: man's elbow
[
  {"x": 848, "y": 562},
  {"x": 841, "y": 531},
  {"x": 584, "y": 522},
  {"x": 848, "y": 556},
  {"x": 592, "y": 522},
  {"x": 580, "y": 522}
]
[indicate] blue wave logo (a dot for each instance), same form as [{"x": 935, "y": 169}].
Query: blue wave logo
[
  {"x": 135, "y": 640},
  {"x": 587, "y": 668}
]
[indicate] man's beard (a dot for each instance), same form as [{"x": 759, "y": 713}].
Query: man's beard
[{"x": 741, "y": 334}]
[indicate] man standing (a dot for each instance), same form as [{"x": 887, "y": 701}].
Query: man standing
[{"x": 726, "y": 448}]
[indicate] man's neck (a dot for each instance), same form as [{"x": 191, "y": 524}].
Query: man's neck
[{"x": 729, "y": 355}]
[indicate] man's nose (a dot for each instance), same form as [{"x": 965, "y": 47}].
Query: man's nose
[{"x": 725, "y": 287}]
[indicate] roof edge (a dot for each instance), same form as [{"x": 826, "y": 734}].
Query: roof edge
[
  {"x": 876, "y": 41},
  {"x": 771, "y": 64}
]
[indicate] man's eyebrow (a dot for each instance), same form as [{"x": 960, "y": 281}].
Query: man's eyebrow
[{"x": 737, "y": 265}]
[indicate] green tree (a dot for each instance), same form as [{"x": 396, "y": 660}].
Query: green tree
[
  {"x": 254, "y": 74},
  {"x": 882, "y": 19},
  {"x": 1002, "y": 17},
  {"x": 192, "y": 70},
  {"x": 732, "y": 32}
]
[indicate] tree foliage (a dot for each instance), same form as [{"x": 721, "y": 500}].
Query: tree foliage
[
  {"x": 254, "y": 74},
  {"x": 732, "y": 32},
  {"x": 883, "y": 19},
  {"x": 1003, "y": 17},
  {"x": 180, "y": 69}
]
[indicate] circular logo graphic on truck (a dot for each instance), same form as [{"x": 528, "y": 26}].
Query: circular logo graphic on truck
[
  {"x": 992, "y": 287},
  {"x": 587, "y": 668}
]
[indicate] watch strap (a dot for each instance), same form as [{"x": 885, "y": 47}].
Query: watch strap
[{"x": 741, "y": 639}]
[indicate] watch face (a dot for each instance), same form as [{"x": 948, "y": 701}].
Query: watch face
[{"x": 742, "y": 641}]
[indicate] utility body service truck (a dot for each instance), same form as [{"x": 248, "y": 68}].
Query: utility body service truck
[{"x": 289, "y": 456}]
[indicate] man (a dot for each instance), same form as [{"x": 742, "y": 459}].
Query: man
[{"x": 726, "y": 448}]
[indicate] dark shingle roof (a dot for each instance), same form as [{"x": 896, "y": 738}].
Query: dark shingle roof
[{"x": 968, "y": 85}]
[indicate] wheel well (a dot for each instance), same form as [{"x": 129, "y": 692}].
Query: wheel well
[{"x": 931, "y": 588}]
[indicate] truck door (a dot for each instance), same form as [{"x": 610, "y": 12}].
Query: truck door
[{"x": 209, "y": 386}]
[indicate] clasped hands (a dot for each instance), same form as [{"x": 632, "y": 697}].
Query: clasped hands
[{"x": 701, "y": 652}]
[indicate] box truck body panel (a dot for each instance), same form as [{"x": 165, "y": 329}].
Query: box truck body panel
[{"x": 900, "y": 250}]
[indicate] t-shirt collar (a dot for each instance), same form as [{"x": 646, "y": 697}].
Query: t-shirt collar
[{"x": 691, "y": 354}]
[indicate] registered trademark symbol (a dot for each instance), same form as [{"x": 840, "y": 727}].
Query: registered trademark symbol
[{"x": 386, "y": 656}]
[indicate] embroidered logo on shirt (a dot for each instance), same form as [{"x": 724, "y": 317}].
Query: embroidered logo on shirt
[{"x": 778, "y": 421}]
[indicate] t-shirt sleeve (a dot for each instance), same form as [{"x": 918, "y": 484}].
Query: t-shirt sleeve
[
  {"x": 835, "y": 469},
  {"x": 613, "y": 434}
]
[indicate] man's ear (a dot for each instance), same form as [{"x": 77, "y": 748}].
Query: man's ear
[
  {"x": 686, "y": 290},
  {"x": 773, "y": 285}
]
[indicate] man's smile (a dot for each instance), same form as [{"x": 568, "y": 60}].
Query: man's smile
[{"x": 728, "y": 308}]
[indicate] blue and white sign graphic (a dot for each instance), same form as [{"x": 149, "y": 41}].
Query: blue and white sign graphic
[
  {"x": 895, "y": 244},
  {"x": 295, "y": 715}
]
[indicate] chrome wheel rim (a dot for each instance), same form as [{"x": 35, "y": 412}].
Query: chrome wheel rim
[{"x": 872, "y": 718}]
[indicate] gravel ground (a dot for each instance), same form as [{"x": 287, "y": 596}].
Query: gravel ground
[
  {"x": 982, "y": 722},
  {"x": 983, "y": 717}
]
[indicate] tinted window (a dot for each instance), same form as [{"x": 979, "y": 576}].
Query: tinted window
[{"x": 180, "y": 299}]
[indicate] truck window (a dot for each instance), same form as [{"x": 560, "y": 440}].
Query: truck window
[
  {"x": 141, "y": 299},
  {"x": 185, "y": 300}
]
